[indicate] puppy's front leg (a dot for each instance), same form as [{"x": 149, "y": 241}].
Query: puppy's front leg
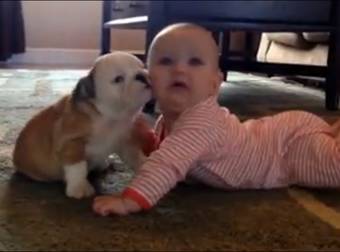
[
  {"x": 75, "y": 169},
  {"x": 77, "y": 185}
]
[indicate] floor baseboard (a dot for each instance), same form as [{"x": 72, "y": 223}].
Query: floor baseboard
[{"x": 55, "y": 56}]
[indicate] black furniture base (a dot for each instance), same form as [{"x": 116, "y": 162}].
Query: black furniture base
[{"x": 250, "y": 16}]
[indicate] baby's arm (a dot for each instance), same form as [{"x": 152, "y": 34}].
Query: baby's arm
[{"x": 161, "y": 172}]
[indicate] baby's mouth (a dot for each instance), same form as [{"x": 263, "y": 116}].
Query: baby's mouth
[{"x": 179, "y": 84}]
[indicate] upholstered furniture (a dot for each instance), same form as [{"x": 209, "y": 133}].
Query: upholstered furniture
[{"x": 308, "y": 48}]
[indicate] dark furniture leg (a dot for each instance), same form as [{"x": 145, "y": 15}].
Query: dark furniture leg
[
  {"x": 225, "y": 43},
  {"x": 105, "y": 32},
  {"x": 333, "y": 76},
  {"x": 332, "y": 88}
]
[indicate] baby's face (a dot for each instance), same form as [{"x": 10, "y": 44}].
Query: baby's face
[{"x": 184, "y": 69}]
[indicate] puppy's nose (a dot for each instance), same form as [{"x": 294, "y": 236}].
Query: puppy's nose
[{"x": 142, "y": 78}]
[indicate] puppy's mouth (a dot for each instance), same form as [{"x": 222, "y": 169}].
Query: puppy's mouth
[
  {"x": 143, "y": 79},
  {"x": 147, "y": 85}
]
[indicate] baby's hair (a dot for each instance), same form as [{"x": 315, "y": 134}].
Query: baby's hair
[
  {"x": 169, "y": 28},
  {"x": 182, "y": 26}
]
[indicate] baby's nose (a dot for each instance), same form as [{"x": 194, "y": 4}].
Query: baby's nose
[{"x": 180, "y": 66}]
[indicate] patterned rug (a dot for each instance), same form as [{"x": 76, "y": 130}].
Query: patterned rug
[{"x": 38, "y": 216}]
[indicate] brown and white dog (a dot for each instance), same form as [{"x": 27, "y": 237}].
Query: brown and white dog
[{"x": 66, "y": 140}]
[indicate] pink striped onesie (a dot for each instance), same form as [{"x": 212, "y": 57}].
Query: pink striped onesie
[{"x": 209, "y": 144}]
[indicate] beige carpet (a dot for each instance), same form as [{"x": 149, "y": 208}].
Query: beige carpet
[{"x": 37, "y": 216}]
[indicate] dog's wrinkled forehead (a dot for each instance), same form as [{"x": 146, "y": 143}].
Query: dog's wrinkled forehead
[{"x": 117, "y": 62}]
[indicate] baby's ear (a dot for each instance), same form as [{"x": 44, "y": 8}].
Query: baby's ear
[
  {"x": 146, "y": 72},
  {"x": 218, "y": 81}
]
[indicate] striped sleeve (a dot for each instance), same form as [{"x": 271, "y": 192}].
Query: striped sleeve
[{"x": 169, "y": 165}]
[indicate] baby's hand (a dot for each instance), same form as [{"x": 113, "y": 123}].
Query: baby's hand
[{"x": 114, "y": 204}]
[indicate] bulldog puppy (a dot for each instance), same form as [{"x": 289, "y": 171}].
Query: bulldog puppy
[{"x": 64, "y": 141}]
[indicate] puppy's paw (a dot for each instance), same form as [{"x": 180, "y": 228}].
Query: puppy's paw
[
  {"x": 80, "y": 190},
  {"x": 77, "y": 185}
]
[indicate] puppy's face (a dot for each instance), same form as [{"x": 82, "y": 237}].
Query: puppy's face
[{"x": 118, "y": 83}]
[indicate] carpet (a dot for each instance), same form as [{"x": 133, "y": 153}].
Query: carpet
[{"x": 38, "y": 216}]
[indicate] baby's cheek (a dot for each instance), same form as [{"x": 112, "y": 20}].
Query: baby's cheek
[{"x": 158, "y": 91}]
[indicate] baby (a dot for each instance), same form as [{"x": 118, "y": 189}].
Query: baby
[{"x": 201, "y": 140}]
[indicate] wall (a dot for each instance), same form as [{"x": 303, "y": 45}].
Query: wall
[
  {"x": 72, "y": 24},
  {"x": 68, "y": 32}
]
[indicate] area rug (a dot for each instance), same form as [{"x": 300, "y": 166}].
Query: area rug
[{"x": 38, "y": 216}]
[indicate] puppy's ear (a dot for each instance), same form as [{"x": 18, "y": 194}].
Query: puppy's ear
[{"x": 85, "y": 88}]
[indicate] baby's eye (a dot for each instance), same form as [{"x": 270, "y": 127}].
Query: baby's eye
[
  {"x": 165, "y": 61},
  {"x": 118, "y": 79},
  {"x": 194, "y": 61}
]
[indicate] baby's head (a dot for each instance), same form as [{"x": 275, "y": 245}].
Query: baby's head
[{"x": 183, "y": 67}]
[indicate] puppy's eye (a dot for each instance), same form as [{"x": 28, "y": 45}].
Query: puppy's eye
[
  {"x": 165, "y": 61},
  {"x": 194, "y": 61},
  {"x": 118, "y": 79}
]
